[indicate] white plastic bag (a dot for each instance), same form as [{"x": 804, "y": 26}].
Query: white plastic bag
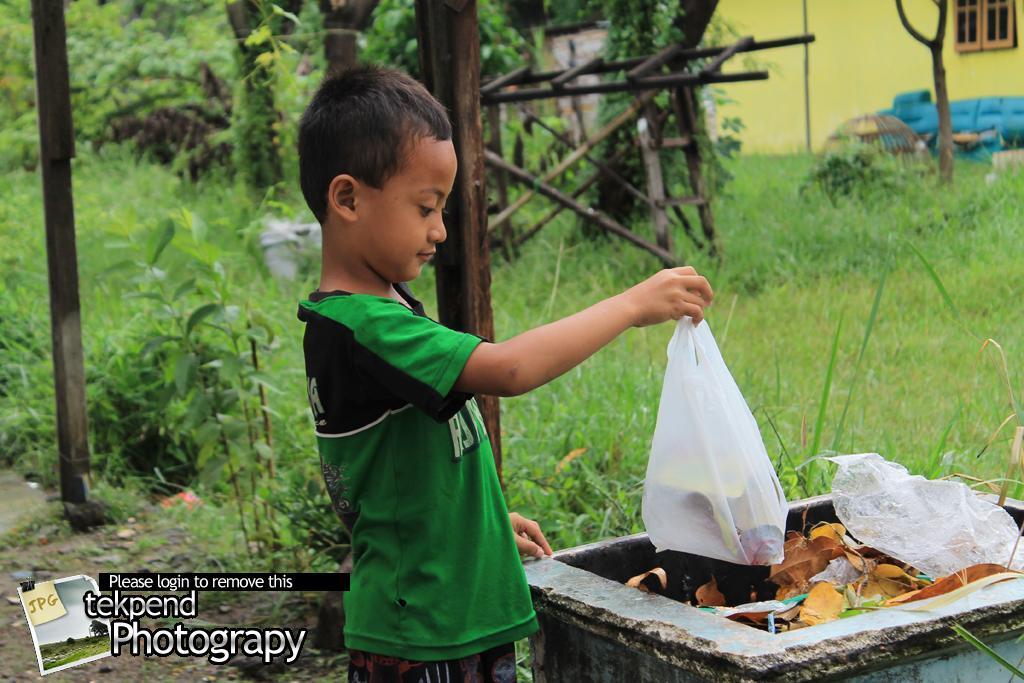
[
  {"x": 939, "y": 527},
  {"x": 710, "y": 489}
]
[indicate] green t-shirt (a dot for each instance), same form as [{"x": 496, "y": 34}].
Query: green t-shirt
[{"x": 409, "y": 469}]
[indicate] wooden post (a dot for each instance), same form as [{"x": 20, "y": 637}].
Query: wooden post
[
  {"x": 449, "y": 47},
  {"x": 655, "y": 184},
  {"x": 501, "y": 182},
  {"x": 56, "y": 149},
  {"x": 685, "y": 105},
  {"x": 494, "y": 144}
]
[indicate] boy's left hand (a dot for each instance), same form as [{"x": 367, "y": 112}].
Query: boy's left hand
[{"x": 529, "y": 538}]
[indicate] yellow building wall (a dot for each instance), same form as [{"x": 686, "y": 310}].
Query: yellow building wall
[{"x": 862, "y": 56}]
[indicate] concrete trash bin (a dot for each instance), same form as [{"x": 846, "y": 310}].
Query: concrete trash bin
[{"x": 596, "y": 629}]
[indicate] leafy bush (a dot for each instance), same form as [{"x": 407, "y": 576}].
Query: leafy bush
[
  {"x": 126, "y": 59},
  {"x": 391, "y": 38},
  {"x": 855, "y": 170},
  {"x": 127, "y": 64},
  {"x": 18, "y": 136}
]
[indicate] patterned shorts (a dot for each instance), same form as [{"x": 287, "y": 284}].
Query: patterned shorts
[{"x": 497, "y": 665}]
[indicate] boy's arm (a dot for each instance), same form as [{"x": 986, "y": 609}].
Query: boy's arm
[{"x": 538, "y": 356}]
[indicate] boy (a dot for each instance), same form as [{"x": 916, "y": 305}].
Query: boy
[{"x": 438, "y": 590}]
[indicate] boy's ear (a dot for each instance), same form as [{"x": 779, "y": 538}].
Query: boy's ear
[{"x": 342, "y": 196}]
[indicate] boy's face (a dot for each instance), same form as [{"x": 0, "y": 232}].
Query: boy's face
[{"x": 401, "y": 224}]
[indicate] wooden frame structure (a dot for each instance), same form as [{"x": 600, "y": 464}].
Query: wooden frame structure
[{"x": 645, "y": 76}]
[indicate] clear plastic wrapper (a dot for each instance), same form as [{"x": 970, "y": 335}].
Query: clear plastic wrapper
[{"x": 939, "y": 527}]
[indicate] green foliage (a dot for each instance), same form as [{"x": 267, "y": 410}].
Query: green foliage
[
  {"x": 856, "y": 170},
  {"x": 391, "y": 38},
  {"x": 27, "y": 429},
  {"x": 640, "y": 28},
  {"x": 257, "y": 124},
  {"x": 561, "y": 12},
  {"x": 121, "y": 500},
  {"x": 321, "y": 542},
  {"x": 123, "y": 64},
  {"x": 126, "y": 59},
  {"x": 984, "y": 648},
  {"x": 636, "y": 28},
  {"x": 18, "y": 136}
]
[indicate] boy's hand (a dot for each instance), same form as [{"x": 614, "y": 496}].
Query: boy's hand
[
  {"x": 671, "y": 293},
  {"x": 529, "y": 538}
]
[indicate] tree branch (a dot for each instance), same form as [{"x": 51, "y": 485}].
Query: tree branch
[
  {"x": 913, "y": 31},
  {"x": 940, "y": 33}
]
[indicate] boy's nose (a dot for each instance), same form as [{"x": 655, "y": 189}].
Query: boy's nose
[{"x": 439, "y": 233}]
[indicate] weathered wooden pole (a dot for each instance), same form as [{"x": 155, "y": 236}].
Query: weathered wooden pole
[
  {"x": 56, "y": 149},
  {"x": 449, "y": 48}
]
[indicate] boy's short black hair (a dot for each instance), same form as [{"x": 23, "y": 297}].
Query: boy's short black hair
[{"x": 361, "y": 122}]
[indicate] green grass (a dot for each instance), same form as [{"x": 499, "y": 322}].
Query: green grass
[
  {"x": 59, "y": 654},
  {"x": 900, "y": 376}
]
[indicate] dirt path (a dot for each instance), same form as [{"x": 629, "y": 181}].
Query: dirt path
[{"x": 39, "y": 544}]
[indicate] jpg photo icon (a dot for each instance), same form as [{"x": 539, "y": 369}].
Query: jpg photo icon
[{"x": 63, "y": 635}]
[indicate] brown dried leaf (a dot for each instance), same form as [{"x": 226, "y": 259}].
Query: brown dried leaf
[
  {"x": 572, "y": 455},
  {"x": 890, "y": 571},
  {"x": 833, "y": 530},
  {"x": 803, "y": 559},
  {"x": 823, "y": 604},
  {"x": 708, "y": 595},
  {"x": 878, "y": 587},
  {"x": 950, "y": 583},
  {"x": 859, "y": 562},
  {"x": 759, "y": 618},
  {"x": 900, "y": 599},
  {"x": 787, "y": 592},
  {"x": 791, "y": 614},
  {"x": 650, "y": 580}
]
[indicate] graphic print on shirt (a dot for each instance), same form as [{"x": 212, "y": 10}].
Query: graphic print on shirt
[
  {"x": 464, "y": 430},
  {"x": 337, "y": 487},
  {"x": 314, "y": 402}
]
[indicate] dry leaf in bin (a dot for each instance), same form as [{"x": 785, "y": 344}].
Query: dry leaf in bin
[
  {"x": 887, "y": 581},
  {"x": 758, "y": 618},
  {"x": 833, "y": 530},
  {"x": 803, "y": 559},
  {"x": 655, "y": 580},
  {"x": 948, "y": 583},
  {"x": 823, "y": 604},
  {"x": 708, "y": 595},
  {"x": 859, "y": 562}
]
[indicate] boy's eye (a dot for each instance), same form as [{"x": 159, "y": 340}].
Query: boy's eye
[{"x": 426, "y": 210}]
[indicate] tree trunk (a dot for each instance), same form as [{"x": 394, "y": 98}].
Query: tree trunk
[
  {"x": 945, "y": 120},
  {"x": 343, "y": 20},
  {"x": 934, "y": 46},
  {"x": 696, "y": 15}
]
